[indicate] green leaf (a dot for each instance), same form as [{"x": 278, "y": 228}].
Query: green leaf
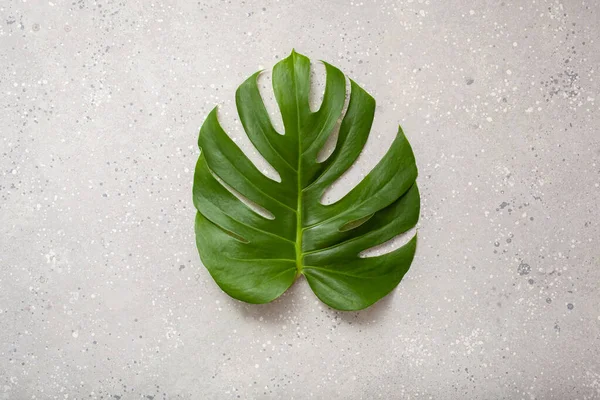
[{"x": 255, "y": 258}]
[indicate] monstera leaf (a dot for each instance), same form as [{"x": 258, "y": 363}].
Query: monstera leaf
[{"x": 255, "y": 257}]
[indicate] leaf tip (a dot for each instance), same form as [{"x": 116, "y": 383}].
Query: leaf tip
[
  {"x": 295, "y": 54},
  {"x": 400, "y": 131}
]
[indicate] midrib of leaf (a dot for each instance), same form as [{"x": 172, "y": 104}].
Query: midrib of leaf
[{"x": 299, "y": 230}]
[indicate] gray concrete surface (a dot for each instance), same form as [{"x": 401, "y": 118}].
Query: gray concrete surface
[{"x": 103, "y": 296}]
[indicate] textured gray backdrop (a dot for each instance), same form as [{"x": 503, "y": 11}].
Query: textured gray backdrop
[{"x": 103, "y": 296}]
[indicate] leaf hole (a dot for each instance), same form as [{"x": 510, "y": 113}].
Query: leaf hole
[
  {"x": 231, "y": 124},
  {"x": 257, "y": 208},
  {"x": 355, "y": 224},
  {"x": 265, "y": 88},
  {"x": 375, "y": 148},
  {"x": 390, "y": 245},
  {"x": 233, "y": 234},
  {"x": 331, "y": 143},
  {"x": 317, "y": 86}
]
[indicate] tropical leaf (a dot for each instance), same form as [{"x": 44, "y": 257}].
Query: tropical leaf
[{"x": 254, "y": 256}]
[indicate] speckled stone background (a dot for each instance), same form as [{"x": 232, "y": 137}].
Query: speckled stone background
[{"x": 103, "y": 296}]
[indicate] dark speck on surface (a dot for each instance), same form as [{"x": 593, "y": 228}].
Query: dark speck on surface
[{"x": 523, "y": 269}]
